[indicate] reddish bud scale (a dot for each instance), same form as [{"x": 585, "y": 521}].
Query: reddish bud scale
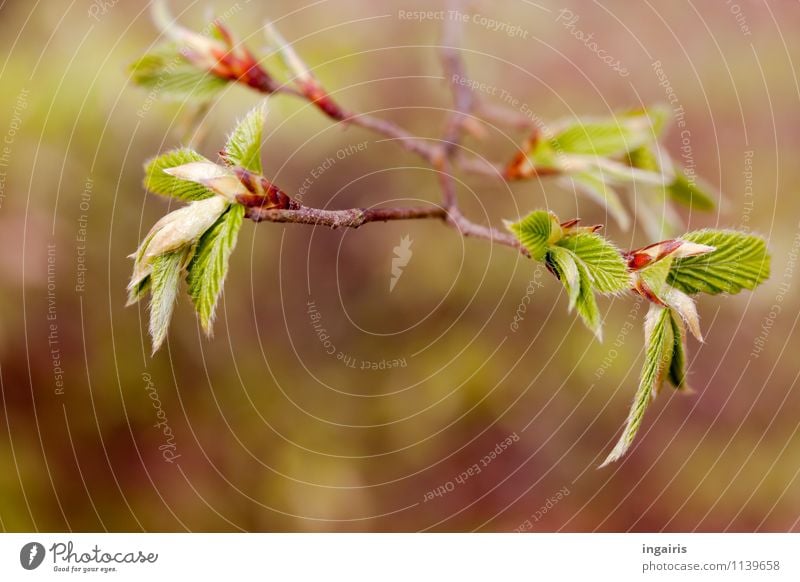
[
  {"x": 521, "y": 168},
  {"x": 242, "y": 68},
  {"x": 572, "y": 226},
  {"x": 263, "y": 193},
  {"x": 319, "y": 97},
  {"x": 640, "y": 288},
  {"x": 645, "y": 256}
]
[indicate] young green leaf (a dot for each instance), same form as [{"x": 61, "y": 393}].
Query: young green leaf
[
  {"x": 164, "y": 283},
  {"x": 159, "y": 182},
  {"x": 170, "y": 76},
  {"x": 677, "y": 367},
  {"x": 603, "y": 261},
  {"x": 563, "y": 263},
  {"x": 244, "y": 144},
  {"x": 209, "y": 266},
  {"x": 536, "y": 232},
  {"x": 577, "y": 281},
  {"x": 613, "y": 136},
  {"x": 137, "y": 290},
  {"x": 658, "y": 355},
  {"x": 690, "y": 193},
  {"x": 654, "y": 277},
  {"x": 684, "y": 306},
  {"x": 586, "y": 304},
  {"x": 740, "y": 261}
]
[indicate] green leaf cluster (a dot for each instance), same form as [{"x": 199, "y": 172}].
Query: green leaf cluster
[
  {"x": 671, "y": 272},
  {"x": 596, "y": 156},
  {"x": 197, "y": 239},
  {"x": 584, "y": 262},
  {"x": 665, "y": 357}
]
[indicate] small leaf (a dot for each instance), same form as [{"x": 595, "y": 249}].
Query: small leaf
[
  {"x": 586, "y": 304},
  {"x": 577, "y": 281},
  {"x": 684, "y": 306},
  {"x": 690, "y": 194},
  {"x": 603, "y": 261},
  {"x": 658, "y": 354},
  {"x": 677, "y": 367},
  {"x": 613, "y": 136},
  {"x": 644, "y": 158},
  {"x": 601, "y": 192},
  {"x": 137, "y": 290},
  {"x": 165, "y": 280},
  {"x": 244, "y": 144},
  {"x": 209, "y": 266},
  {"x": 159, "y": 182},
  {"x": 654, "y": 276},
  {"x": 740, "y": 261},
  {"x": 564, "y": 265},
  {"x": 181, "y": 228},
  {"x": 536, "y": 232},
  {"x": 169, "y": 76},
  {"x": 679, "y": 188}
]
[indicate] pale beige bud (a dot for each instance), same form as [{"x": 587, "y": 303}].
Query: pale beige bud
[
  {"x": 182, "y": 227},
  {"x": 690, "y": 249},
  {"x": 214, "y": 177}
]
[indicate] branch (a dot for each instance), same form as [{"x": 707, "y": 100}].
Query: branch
[
  {"x": 356, "y": 217},
  {"x": 350, "y": 218},
  {"x": 455, "y": 72}
]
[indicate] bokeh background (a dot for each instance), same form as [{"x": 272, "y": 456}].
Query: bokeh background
[{"x": 270, "y": 432}]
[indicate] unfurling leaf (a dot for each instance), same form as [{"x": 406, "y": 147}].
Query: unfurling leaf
[
  {"x": 169, "y": 76},
  {"x": 164, "y": 253},
  {"x": 683, "y": 305},
  {"x": 577, "y": 280},
  {"x": 660, "y": 345},
  {"x": 691, "y": 193},
  {"x": 137, "y": 289},
  {"x": 740, "y": 261},
  {"x": 677, "y": 367},
  {"x": 181, "y": 227},
  {"x": 218, "y": 179},
  {"x": 694, "y": 194},
  {"x": 610, "y": 137},
  {"x": 580, "y": 258},
  {"x": 586, "y": 305},
  {"x": 197, "y": 65},
  {"x": 165, "y": 279},
  {"x": 209, "y": 265},
  {"x": 244, "y": 144},
  {"x": 158, "y": 181},
  {"x": 563, "y": 264},
  {"x": 603, "y": 261},
  {"x": 537, "y": 232}
]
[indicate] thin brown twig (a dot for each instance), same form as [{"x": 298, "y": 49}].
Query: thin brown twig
[
  {"x": 456, "y": 74},
  {"x": 440, "y": 155},
  {"x": 356, "y": 217},
  {"x": 349, "y": 218}
]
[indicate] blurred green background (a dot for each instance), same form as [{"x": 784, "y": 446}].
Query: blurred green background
[{"x": 270, "y": 432}]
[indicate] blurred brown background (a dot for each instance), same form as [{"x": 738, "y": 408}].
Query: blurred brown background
[{"x": 273, "y": 433}]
